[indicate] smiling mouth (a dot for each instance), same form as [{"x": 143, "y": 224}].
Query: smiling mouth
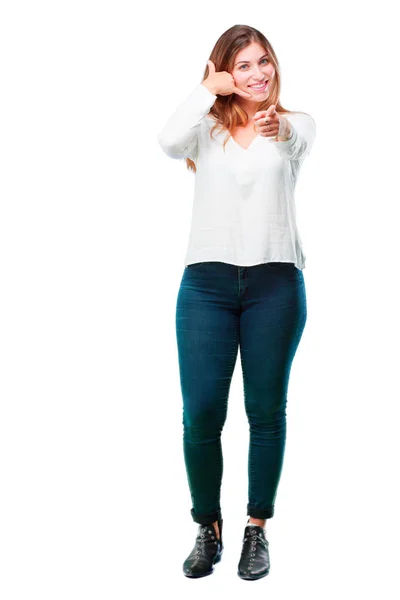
[{"x": 260, "y": 88}]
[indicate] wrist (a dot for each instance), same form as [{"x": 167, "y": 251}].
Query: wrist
[
  {"x": 210, "y": 88},
  {"x": 285, "y": 130}
]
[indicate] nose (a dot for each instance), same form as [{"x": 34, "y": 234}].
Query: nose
[{"x": 258, "y": 74}]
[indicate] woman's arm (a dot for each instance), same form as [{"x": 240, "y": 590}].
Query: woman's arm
[
  {"x": 298, "y": 139},
  {"x": 178, "y": 138}
]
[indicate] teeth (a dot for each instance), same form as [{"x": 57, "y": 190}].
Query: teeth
[{"x": 258, "y": 86}]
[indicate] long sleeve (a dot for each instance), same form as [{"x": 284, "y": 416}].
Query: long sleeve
[
  {"x": 178, "y": 138},
  {"x": 299, "y": 145}
]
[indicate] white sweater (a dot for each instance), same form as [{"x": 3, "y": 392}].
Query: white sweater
[{"x": 244, "y": 210}]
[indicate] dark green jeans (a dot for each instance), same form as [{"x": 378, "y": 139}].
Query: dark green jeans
[{"x": 221, "y": 307}]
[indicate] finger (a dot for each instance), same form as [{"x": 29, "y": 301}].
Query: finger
[
  {"x": 269, "y": 132},
  {"x": 269, "y": 126},
  {"x": 241, "y": 93},
  {"x": 260, "y": 115}
]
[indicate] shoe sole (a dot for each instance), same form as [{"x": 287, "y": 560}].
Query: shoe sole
[
  {"x": 252, "y": 578},
  {"x": 197, "y": 575}
]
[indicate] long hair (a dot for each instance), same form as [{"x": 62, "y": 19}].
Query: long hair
[{"x": 226, "y": 110}]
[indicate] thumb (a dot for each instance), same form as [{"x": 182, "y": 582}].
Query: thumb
[
  {"x": 211, "y": 66},
  {"x": 261, "y": 114},
  {"x": 271, "y": 111}
]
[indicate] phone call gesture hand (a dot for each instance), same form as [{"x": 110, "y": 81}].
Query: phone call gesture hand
[{"x": 222, "y": 83}]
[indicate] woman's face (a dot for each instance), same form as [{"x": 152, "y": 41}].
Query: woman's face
[{"x": 251, "y": 66}]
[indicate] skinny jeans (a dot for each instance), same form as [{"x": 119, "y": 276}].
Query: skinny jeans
[{"x": 262, "y": 310}]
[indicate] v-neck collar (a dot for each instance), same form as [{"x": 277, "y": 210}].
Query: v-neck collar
[
  {"x": 234, "y": 141},
  {"x": 248, "y": 147}
]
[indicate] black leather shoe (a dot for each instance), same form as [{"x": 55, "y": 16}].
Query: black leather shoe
[
  {"x": 254, "y": 560},
  {"x": 206, "y": 553}
]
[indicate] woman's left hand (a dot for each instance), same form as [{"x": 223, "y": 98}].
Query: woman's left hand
[{"x": 270, "y": 124}]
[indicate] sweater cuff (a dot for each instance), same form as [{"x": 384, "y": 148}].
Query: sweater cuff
[
  {"x": 204, "y": 91},
  {"x": 290, "y": 138}
]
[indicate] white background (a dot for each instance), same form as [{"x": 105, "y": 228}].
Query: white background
[{"x": 94, "y": 225}]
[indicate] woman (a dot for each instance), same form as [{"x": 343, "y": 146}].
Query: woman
[{"x": 242, "y": 285}]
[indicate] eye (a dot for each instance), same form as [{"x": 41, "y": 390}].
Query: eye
[{"x": 264, "y": 59}]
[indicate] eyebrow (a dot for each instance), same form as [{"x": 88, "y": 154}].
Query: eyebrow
[{"x": 247, "y": 61}]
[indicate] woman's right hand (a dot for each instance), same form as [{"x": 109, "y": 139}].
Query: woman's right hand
[{"x": 222, "y": 83}]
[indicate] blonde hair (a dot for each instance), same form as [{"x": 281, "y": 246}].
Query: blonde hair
[{"x": 226, "y": 110}]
